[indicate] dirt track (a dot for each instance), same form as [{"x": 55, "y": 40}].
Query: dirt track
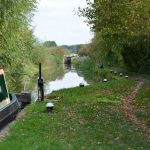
[{"x": 128, "y": 109}]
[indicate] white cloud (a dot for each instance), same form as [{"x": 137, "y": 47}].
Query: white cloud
[{"x": 56, "y": 20}]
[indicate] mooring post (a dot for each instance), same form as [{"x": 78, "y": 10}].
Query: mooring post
[{"x": 40, "y": 85}]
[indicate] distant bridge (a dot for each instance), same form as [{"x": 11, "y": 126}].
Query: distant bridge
[{"x": 67, "y": 58}]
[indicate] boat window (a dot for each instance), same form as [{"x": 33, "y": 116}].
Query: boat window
[
  {"x": 3, "y": 90},
  {"x": 0, "y": 89}
]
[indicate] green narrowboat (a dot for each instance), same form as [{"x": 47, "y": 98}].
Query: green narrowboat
[{"x": 9, "y": 105}]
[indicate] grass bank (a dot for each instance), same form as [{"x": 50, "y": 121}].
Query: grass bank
[
  {"x": 84, "y": 118},
  {"x": 92, "y": 71}
]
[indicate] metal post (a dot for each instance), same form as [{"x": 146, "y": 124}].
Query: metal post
[
  {"x": 40, "y": 85},
  {"x": 40, "y": 74}
]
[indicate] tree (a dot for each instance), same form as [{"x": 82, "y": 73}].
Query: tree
[
  {"x": 117, "y": 25},
  {"x": 16, "y": 36},
  {"x": 49, "y": 44}
]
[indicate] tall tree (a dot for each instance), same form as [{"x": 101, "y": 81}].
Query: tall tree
[
  {"x": 16, "y": 38},
  {"x": 119, "y": 24},
  {"x": 50, "y": 44}
]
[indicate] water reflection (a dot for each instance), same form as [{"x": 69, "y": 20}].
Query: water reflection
[
  {"x": 70, "y": 79},
  {"x": 68, "y": 67}
]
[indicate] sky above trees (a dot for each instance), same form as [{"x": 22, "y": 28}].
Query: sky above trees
[{"x": 56, "y": 20}]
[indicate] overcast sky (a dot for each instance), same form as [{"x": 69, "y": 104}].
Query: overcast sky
[{"x": 56, "y": 20}]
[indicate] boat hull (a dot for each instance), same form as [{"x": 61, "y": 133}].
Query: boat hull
[{"x": 9, "y": 111}]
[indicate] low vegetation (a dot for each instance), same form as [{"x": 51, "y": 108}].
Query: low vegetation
[
  {"x": 92, "y": 71},
  {"x": 83, "y": 118}
]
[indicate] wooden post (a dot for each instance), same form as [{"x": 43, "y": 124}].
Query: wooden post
[{"x": 40, "y": 85}]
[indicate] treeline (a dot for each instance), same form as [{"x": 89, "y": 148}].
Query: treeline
[
  {"x": 73, "y": 48},
  {"x": 45, "y": 54},
  {"x": 50, "y": 44},
  {"x": 20, "y": 51},
  {"x": 16, "y": 36},
  {"x": 122, "y": 33}
]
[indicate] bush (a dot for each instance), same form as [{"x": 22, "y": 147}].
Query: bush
[{"x": 136, "y": 55}]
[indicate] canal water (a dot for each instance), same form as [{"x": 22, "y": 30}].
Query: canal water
[{"x": 66, "y": 77}]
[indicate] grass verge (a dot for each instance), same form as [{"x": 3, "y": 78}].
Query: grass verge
[{"x": 84, "y": 118}]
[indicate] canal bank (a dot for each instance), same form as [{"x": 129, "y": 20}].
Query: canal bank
[{"x": 86, "y": 117}]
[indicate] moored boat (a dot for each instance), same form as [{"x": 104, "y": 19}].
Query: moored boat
[{"x": 9, "y": 105}]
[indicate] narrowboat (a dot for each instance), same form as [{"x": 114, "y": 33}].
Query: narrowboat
[{"x": 9, "y": 105}]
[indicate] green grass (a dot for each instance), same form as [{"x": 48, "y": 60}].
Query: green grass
[
  {"x": 91, "y": 71},
  {"x": 142, "y": 104},
  {"x": 83, "y": 119}
]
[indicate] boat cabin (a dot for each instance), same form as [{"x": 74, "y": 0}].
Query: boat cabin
[
  {"x": 4, "y": 96},
  {"x": 9, "y": 105}
]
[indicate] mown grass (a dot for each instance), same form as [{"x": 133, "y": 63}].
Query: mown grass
[
  {"x": 84, "y": 118},
  {"x": 142, "y": 104}
]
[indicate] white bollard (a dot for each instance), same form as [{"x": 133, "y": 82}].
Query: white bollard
[
  {"x": 105, "y": 80},
  {"x": 49, "y": 107},
  {"x": 126, "y": 76},
  {"x": 121, "y": 74}
]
